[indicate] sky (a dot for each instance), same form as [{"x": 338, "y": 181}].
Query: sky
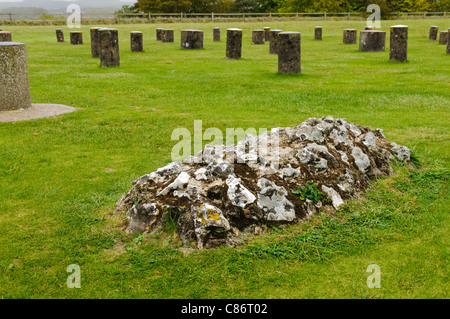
[{"x": 52, "y": 4}]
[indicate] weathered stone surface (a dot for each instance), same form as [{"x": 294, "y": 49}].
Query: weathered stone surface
[
  {"x": 432, "y": 36},
  {"x": 167, "y": 35},
  {"x": 95, "y": 42},
  {"x": 318, "y": 33},
  {"x": 215, "y": 198},
  {"x": 5, "y": 36},
  {"x": 158, "y": 34},
  {"x": 448, "y": 42},
  {"x": 443, "y": 37},
  {"x": 372, "y": 41},
  {"x": 216, "y": 34},
  {"x": 350, "y": 36},
  {"x": 398, "y": 51},
  {"x": 109, "y": 47},
  {"x": 59, "y": 35},
  {"x": 14, "y": 82},
  {"x": 274, "y": 41},
  {"x": 136, "y": 41},
  {"x": 266, "y": 34},
  {"x": 258, "y": 37},
  {"x": 289, "y": 52},
  {"x": 76, "y": 37},
  {"x": 191, "y": 39},
  {"x": 234, "y": 43}
]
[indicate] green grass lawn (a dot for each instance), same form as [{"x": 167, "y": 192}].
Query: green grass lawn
[{"x": 61, "y": 177}]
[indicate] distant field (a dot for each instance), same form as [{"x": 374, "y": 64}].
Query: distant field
[{"x": 61, "y": 177}]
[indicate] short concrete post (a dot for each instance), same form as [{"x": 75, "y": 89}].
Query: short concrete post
[
  {"x": 318, "y": 33},
  {"x": 109, "y": 47},
  {"x": 273, "y": 41},
  {"x": 368, "y": 27},
  {"x": 95, "y": 42},
  {"x": 289, "y": 52},
  {"x": 14, "y": 82},
  {"x": 158, "y": 34},
  {"x": 398, "y": 43},
  {"x": 234, "y": 43},
  {"x": 266, "y": 34},
  {"x": 167, "y": 35},
  {"x": 59, "y": 35},
  {"x": 76, "y": 37},
  {"x": 443, "y": 37},
  {"x": 191, "y": 39},
  {"x": 216, "y": 34},
  {"x": 350, "y": 36},
  {"x": 433, "y": 33},
  {"x": 5, "y": 36},
  {"x": 258, "y": 37},
  {"x": 372, "y": 41},
  {"x": 136, "y": 41},
  {"x": 448, "y": 42}
]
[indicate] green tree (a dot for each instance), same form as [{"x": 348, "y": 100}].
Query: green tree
[
  {"x": 218, "y": 6},
  {"x": 164, "y": 6}
]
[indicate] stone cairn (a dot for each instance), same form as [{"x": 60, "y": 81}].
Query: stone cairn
[
  {"x": 432, "y": 36},
  {"x": 443, "y": 37},
  {"x": 109, "y": 47},
  {"x": 398, "y": 43},
  {"x": 59, "y": 35},
  {"x": 158, "y": 34},
  {"x": 318, "y": 33},
  {"x": 289, "y": 52},
  {"x": 372, "y": 41},
  {"x": 266, "y": 34},
  {"x": 167, "y": 35},
  {"x": 136, "y": 41},
  {"x": 192, "y": 39},
  {"x": 14, "y": 82},
  {"x": 258, "y": 37},
  {"x": 76, "y": 37},
  {"x": 274, "y": 41},
  {"x": 350, "y": 36},
  {"x": 216, "y": 34},
  {"x": 234, "y": 43},
  {"x": 448, "y": 42},
  {"x": 95, "y": 42},
  {"x": 226, "y": 194},
  {"x": 5, "y": 36}
]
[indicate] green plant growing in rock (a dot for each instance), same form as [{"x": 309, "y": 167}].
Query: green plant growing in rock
[{"x": 310, "y": 191}]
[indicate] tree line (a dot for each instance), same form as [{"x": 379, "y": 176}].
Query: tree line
[{"x": 261, "y": 6}]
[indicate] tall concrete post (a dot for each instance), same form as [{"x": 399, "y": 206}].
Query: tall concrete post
[
  {"x": 234, "y": 43},
  {"x": 398, "y": 51},
  {"x": 289, "y": 52},
  {"x": 109, "y": 47}
]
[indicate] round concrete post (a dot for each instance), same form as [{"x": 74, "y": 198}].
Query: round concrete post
[
  {"x": 95, "y": 42},
  {"x": 289, "y": 52},
  {"x": 5, "y": 36},
  {"x": 433, "y": 33},
  {"x": 158, "y": 34},
  {"x": 76, "y": 37},
  {"x": 191, "y": 39},
  {"x": 318, "y": 33},
  {"x": 216, "y": 34},
  {"x": 443, "y": 37},
  {"x": 59, "y": 35},
  {"x": 398, "y": 51},
  {"x": 14, "y": 82},
  {"x": 266, "y": 34},
  {"x": 258, "y": 37},
  {"x": 273, "y": 41},
  {"x": 136, "y": 41},
  {"x": 167, "y": 35},
  {"x": 109, "y": 47},
  {"x": 350, "y": 36},
  {"x": 234, "y": 43},
  {"x": 372, "y": 41}
]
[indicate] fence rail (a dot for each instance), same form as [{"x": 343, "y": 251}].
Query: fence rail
[{"x": 12, "y": 18}]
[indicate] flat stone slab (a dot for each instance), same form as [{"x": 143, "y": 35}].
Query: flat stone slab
[{"x": 36, "y": 111}]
